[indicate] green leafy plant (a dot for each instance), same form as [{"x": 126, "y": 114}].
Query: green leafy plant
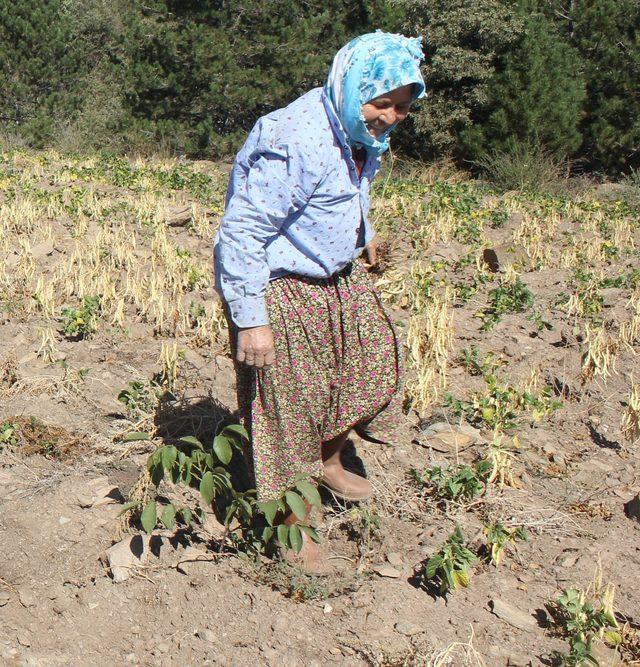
[
  {"x": 499, "y": 537},
  {"x": 364, "y": 525},
  {"x": 250, "y": 525},
  {"x": 449, "y": 567},
  {"x": 140, "y": 397},
  {"x": 78, "y": 323},
  {"x": 514, "y": 297},
  {"x": 8, "y": 434},
  {"x": 500, "y": 406},
  {"x": 474, "y": 364},
  {"x": 291, "y": 501},
  {"x": 583, "y": 619},
  {"x": 459, "y": 484}
]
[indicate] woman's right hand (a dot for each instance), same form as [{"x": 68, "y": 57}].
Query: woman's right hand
[{"x": 256, "y": 347}]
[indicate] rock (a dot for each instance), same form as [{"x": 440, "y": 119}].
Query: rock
[
  {"x": 107, "y": 495},
  {"x": 23, "y": 638},
  {"x": 395, "y": 559},
  {"x": 179, "y": 217},
  {"x": 606, "y": 656},
  {"x": 569, "y": 561},
  {"x": 84, "y": 500},
  {"x": 125, "y": 555},
  {"x": 64, "y": 520},
  {"x": 517, "y": 660},
  {"x": 632, "y": 508},
  {"x": 407, "y": 629},
  {"x": 206, "y": 635},
  {"x": 27, "y": 597},
  {"x": 280, "y": 624},
  {"x": 60, "y": 606},
  {"x": 513, "y": 616},
  {"x": 5, "y": 596},
  {"x": 444, "y": 437},
  {"x": 386, "y": 571},
  {"x": 189, "y": 558},
  {"x": 43, "y": 249},
  {"x": 131, "y": 658},
  {"x": 99, "y": 492},
  {"x": 327, "y": 609}
]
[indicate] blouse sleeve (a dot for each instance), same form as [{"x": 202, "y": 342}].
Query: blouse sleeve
[{"x": 277, "y": 185}]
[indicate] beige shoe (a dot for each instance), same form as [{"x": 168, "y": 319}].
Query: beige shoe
[{"x": 346, "y": 485}]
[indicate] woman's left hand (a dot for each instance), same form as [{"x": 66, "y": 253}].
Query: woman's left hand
[{"x": 370, "y": 252}]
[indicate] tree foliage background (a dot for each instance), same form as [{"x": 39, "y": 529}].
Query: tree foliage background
[{"x": 192, "y": 76}]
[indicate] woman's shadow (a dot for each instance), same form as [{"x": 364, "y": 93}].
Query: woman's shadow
[{"x": 202, "y": 417}]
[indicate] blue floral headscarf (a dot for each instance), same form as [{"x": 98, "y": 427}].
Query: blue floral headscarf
[{"x": 367, "y": 67}]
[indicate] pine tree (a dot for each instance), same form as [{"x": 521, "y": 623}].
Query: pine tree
[
  {"x": 463, "y": 41},
  {"x": 202, "y": 73},
  {"x": 537, "y": 94},
  {"x": 605, "y": 32},
  {"x": 37, "y": 70}
]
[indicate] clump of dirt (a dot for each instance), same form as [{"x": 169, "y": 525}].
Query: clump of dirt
[{"x": 30, "y": 436}]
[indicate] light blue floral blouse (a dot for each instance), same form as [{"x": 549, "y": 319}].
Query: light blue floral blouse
[{"x": 294, "y": 205}]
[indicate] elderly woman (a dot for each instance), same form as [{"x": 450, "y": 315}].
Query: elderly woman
[{"x": 317, "y": 356}]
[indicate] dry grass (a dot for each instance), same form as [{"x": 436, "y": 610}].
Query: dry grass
[{"x": 429, "y": 339}]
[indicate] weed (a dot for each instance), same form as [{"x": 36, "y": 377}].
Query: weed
[
  {"x": 476, "y": 365},
  {"x": 79, "y": 323},
  {"x": 515, "y": 297},
  {"x": 461, "y": 483},
  {"x": 501, "y": 405},
  {"x": 364, "y": 525},
  {"x": 449, "y": 567},
  {"x": 583, "y": 619},
  {"x": 525, "y": 166},
  {"x": 140, "y": 397},
  {"x": 8, "y": 434},
  {"x": 499, "y": 538}
]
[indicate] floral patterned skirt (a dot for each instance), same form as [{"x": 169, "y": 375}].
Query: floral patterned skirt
[{"x": 337, "y": 367}]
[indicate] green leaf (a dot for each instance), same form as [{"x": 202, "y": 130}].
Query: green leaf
[
  {"x": 186, "y": 515},
  {"x": 186, "y": 475},
  {"x": 295, "y": 538},
  {"x": 267, "y": 534},
  {"x": 461, "y": 577},
  {"x": 310, "y": 492},
  {"x": 296, "y": 504},
  {"x": 248, "y": 510},
  {"x": 168, "y": 516},
  {"x": 169, "y": 456},
  {"x": 309, "y": 531},
  {"x": 236, "y": 428},
  {"x": 136, "y": 435},
  {"x": 129, "y": 506},
  {"x": 157, "y": 473},
  {"x": 149, "y": 517},
  {"x": 207, "y": 488},
  {"x": 222, "y": 448},
  {"x": 283, "y": 535},
  {"x": 269, "y": 509},
  {"x": 191, "y": 440}
]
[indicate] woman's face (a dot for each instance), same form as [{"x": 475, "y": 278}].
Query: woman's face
[{"x": 388, "y": 109}]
